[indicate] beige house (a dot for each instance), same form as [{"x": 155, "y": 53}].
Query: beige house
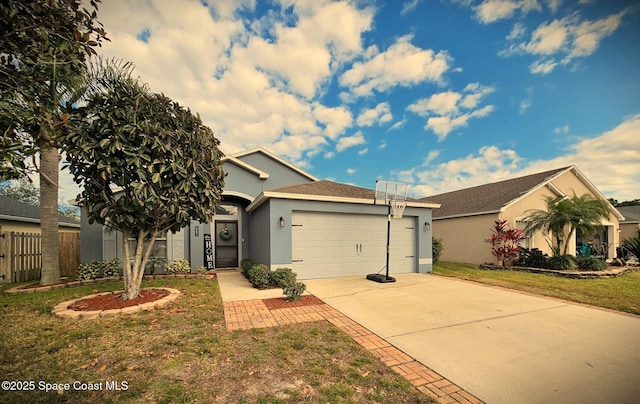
[
  {"x": 466, "y": 216},
  {"x": 630, "y": 226}
]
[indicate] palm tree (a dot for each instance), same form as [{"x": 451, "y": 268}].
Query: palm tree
[{"x": 565, "y": 216}]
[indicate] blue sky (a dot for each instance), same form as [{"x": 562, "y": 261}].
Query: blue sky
[{"x": 441, "y": 94}]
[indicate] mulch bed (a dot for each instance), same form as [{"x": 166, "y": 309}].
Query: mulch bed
[
  {"x": 282, "y": 303},
  {"x": 114, "y": 301}
]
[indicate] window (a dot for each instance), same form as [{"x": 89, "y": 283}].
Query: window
[
  {"x": 226, "y": 209},
  {"x": 521, "y": 225},
  {"x": 159, "y": 246}
]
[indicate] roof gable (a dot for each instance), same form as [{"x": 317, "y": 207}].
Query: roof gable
[
  {"x": 245, "y": 157},
  {"x": 489, "y": 198}
]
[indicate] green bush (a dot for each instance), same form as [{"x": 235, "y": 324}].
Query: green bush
[
  {"x": 294, "y": 291},
  {"x": 88, "y": 271},
  {"x": 154, "y": 261},
  {"x": 110, "y": 268},
  {"x": 179, "y": 267},
  {"x": 632, "y": 245},
  {"x": 562, "y": 262},
  {"x": 436, "y": 248},
  {"x": 260, "y": 276},
  {"x": 591, "y": 264},
  {"x": 283, "y": 277},
  {"x": 246, "y": 264},
  {"x": 532, "y": 258},
  {"x": 201, "y": 270}
]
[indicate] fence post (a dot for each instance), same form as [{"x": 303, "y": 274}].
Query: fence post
[{"x": 5, "y": 268}]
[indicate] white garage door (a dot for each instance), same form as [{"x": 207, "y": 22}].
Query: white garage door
[{"x": 326, "y": 245}]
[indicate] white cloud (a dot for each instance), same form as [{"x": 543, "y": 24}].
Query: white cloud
[
  {"x": 253, "y": 85},
  {"x": 542, "y": 66},
  {"x": 346, "y": 142},
  {"x": 610, "y": 160},
  {"x": 449, "y": 110},
  {"x": 524, "y": 106},
  {"x": 402, "y": 64},
  {"x": 567, "y": 38},
  {"x": 351, "y": 171},
  {"x": 382, "y": 145},
  {"x": 363, "y": 151},
  {"x": 398, "y": 125},
  {"x": 380, "y": 114},
  {"x": 517, "y": 31},
  {"x": 329, "y": 155},
  {"x": 494, "y": 10},
  {"x": 409, "y": 6},
  {"x": 561, "y": 130}
]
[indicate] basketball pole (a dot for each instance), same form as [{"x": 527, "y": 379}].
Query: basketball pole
[{"x": 388, "y": 239}]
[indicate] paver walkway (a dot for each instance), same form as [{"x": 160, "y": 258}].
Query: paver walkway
[{"x": 247, "y": 314}]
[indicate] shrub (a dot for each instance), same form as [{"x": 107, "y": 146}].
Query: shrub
[
  {"x": 260, "y": 276},
  {"x": 179, "y": 267},
  {"x": 532, "y": 258},
  {"x": 246, "y": 264},
  {"x": 591, "y": 264},
  {"x": 110, "y": 268},
  {"x": 88, "y": 271},
  {"x": 632, "y": 245},
  {"x": 562, "y": 262},
  {"x": 505, "y": 243},
  {"x": 436, "y": 248},
  {"x": 283, "y": 277},
  {"x": 294, "y": 291},
  {"x": 155, "y": 260}
]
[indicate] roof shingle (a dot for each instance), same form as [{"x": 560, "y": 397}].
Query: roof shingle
[
  {"x": 15, "y": 208},
  {"x": 487, "y": 197}
]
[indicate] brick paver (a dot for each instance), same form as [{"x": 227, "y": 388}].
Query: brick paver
[{"x": 246, "y": 314}]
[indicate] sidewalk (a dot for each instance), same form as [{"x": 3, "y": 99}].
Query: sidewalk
[{"x": 244, "y": 309}]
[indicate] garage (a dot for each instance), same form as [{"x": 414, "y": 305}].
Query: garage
[{"x": 327, "y": 245}]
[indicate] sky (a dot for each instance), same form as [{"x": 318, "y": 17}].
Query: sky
[{"x": 439, "y": 94}]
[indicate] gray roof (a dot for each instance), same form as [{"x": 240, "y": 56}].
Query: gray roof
[
  {"x": 487, "y": 197},
  {"x": 330, "y": 188},
  {"x": 20, "y": 210},
  {"x": 631, "y": 214}
]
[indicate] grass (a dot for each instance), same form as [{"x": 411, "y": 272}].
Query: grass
[
  {"x": 621, "y": 293},
  {"x": 183, "y": 354}
]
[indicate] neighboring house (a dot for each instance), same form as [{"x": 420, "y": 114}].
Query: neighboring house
[
  {"x": 631, "y": 224},
  {"x": 467, "y": 216},
  {"x": 279, "y": 215},
  {"x": 21, "y": 217}
]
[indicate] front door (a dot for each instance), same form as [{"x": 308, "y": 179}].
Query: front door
[{"x": 226, "y": 236}]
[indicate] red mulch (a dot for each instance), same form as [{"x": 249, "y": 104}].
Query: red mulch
[
  {"x": 114, "y": 301},
  {"x": 283, "y": 303}
]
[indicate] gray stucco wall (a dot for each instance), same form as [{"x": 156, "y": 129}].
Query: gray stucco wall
[
  {"x": 90, "y": 240},
  {"x": 280, "y": 239},
  {"x": 259, "y": 235},
  {"x": 279, "y": 174}
]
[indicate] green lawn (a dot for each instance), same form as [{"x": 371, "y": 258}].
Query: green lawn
[
  {"x": 182, "y": 354},
  {"x": 621, "y": 293}
]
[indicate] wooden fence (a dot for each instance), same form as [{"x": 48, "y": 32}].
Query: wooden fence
[{"x": 21, "y": 255}]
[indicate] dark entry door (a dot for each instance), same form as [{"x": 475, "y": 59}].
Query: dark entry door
[{"x": 226, "y": 233}]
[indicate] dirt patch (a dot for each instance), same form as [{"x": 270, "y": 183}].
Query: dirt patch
[
  {"x": 114, "y": 301},
  {"x": 283, "y": 303},
  {"x": 38, "y": 285}
]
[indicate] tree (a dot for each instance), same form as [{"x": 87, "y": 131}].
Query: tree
[
  {"x": 21, "y": 190},
  {"x": 565, "y": 216},
  {"x": 147, "y": 166},
  {"x": 44, "y": 47}
]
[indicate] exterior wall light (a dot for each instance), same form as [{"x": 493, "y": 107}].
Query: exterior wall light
[
  {"x": 281, "y": 222},
  {"x": 427, "y": 226}
]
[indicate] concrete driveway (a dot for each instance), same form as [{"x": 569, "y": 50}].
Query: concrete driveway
[{"x": 501, "y": 346}]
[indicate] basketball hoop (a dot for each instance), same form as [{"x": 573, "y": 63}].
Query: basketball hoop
[{"x": 397, "y": 206}]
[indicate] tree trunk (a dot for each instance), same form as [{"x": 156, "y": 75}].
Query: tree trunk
[{"x": 49, "y": 215}]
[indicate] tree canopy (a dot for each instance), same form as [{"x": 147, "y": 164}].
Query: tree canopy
[
  {"x": 42, "y": 69},
  {"x": 565, "y": 216},
  {"x": 147, "y": 166}
]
